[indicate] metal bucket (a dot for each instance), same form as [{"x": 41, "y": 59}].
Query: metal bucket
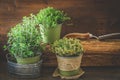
[{"x": 24, "y": 70}]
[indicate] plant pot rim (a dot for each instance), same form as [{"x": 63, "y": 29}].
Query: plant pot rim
[
  {"x": 8, "y": 57},
  {"x": 15, "y": 63},
  {"x": 69, "y": 56},
  {"x": 27, "y": 57}
]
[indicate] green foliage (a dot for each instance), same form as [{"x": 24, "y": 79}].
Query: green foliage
[
  {"x": 24, "y": 38},
  {"x": 50, "y": 17},
  {"x": 67, "y": 47}
]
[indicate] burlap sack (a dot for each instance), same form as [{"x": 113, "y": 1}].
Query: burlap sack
[{"x": 69, "y": 63}]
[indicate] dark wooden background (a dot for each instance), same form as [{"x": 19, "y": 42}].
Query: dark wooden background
[{"x": 95, "y": 16}]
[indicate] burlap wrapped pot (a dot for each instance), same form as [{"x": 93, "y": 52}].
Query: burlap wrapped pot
[{"x": 69, "y": 66}]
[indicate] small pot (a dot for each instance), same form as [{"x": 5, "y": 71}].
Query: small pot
[
  {"x": 69, "y": 66},
  {"x": 24, "y": 70},
  {"x": 50, "y": 35}
]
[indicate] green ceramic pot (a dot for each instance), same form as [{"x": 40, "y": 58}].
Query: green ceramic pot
[
  {"x": 69, "y": 66},
  {"x": 50, "y": 35},
  {"x": 29, "y": 60}
]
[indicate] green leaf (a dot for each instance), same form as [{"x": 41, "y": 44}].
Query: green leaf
[{"x": 50, "y": 17}]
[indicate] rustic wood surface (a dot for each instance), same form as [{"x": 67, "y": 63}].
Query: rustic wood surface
[
  {"x": 95, "y": 16},
  {"x": 91, "y": 73},
  {"x": 88, "y": 60},
  {"x": 101, "y": 47}
]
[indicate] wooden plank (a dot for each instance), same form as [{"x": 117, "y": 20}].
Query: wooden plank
[
  {"x": 91, "y": 73},
  {"x": 89, "y": 60},
  {"x": 86, "y": 11},
  {"x": 101, "y": 47}
]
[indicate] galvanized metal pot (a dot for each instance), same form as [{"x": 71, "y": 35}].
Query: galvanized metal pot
[{"x": 24, "y": 70}]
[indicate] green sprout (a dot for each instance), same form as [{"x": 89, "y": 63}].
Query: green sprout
[
  {"x": 50, "y": 17},
  {"x": 24, "y": 38},
  {"x": 67, "y": 47}
]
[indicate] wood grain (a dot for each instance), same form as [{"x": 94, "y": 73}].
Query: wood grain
[
  {"x": 101, "y": 47},
  {"x": 97, "y": 17},
  {"x": 91, "y": 73},
  {"x": 88, "y": 60}
]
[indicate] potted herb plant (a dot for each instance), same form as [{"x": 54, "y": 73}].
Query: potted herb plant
[
  {"x": 24, "y": 48},
  {"x": 69, "y": 54},
  {"x": 50, "y": 21}
]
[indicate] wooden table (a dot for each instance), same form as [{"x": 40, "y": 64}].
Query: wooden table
[{"x": 91, "y": 73}]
